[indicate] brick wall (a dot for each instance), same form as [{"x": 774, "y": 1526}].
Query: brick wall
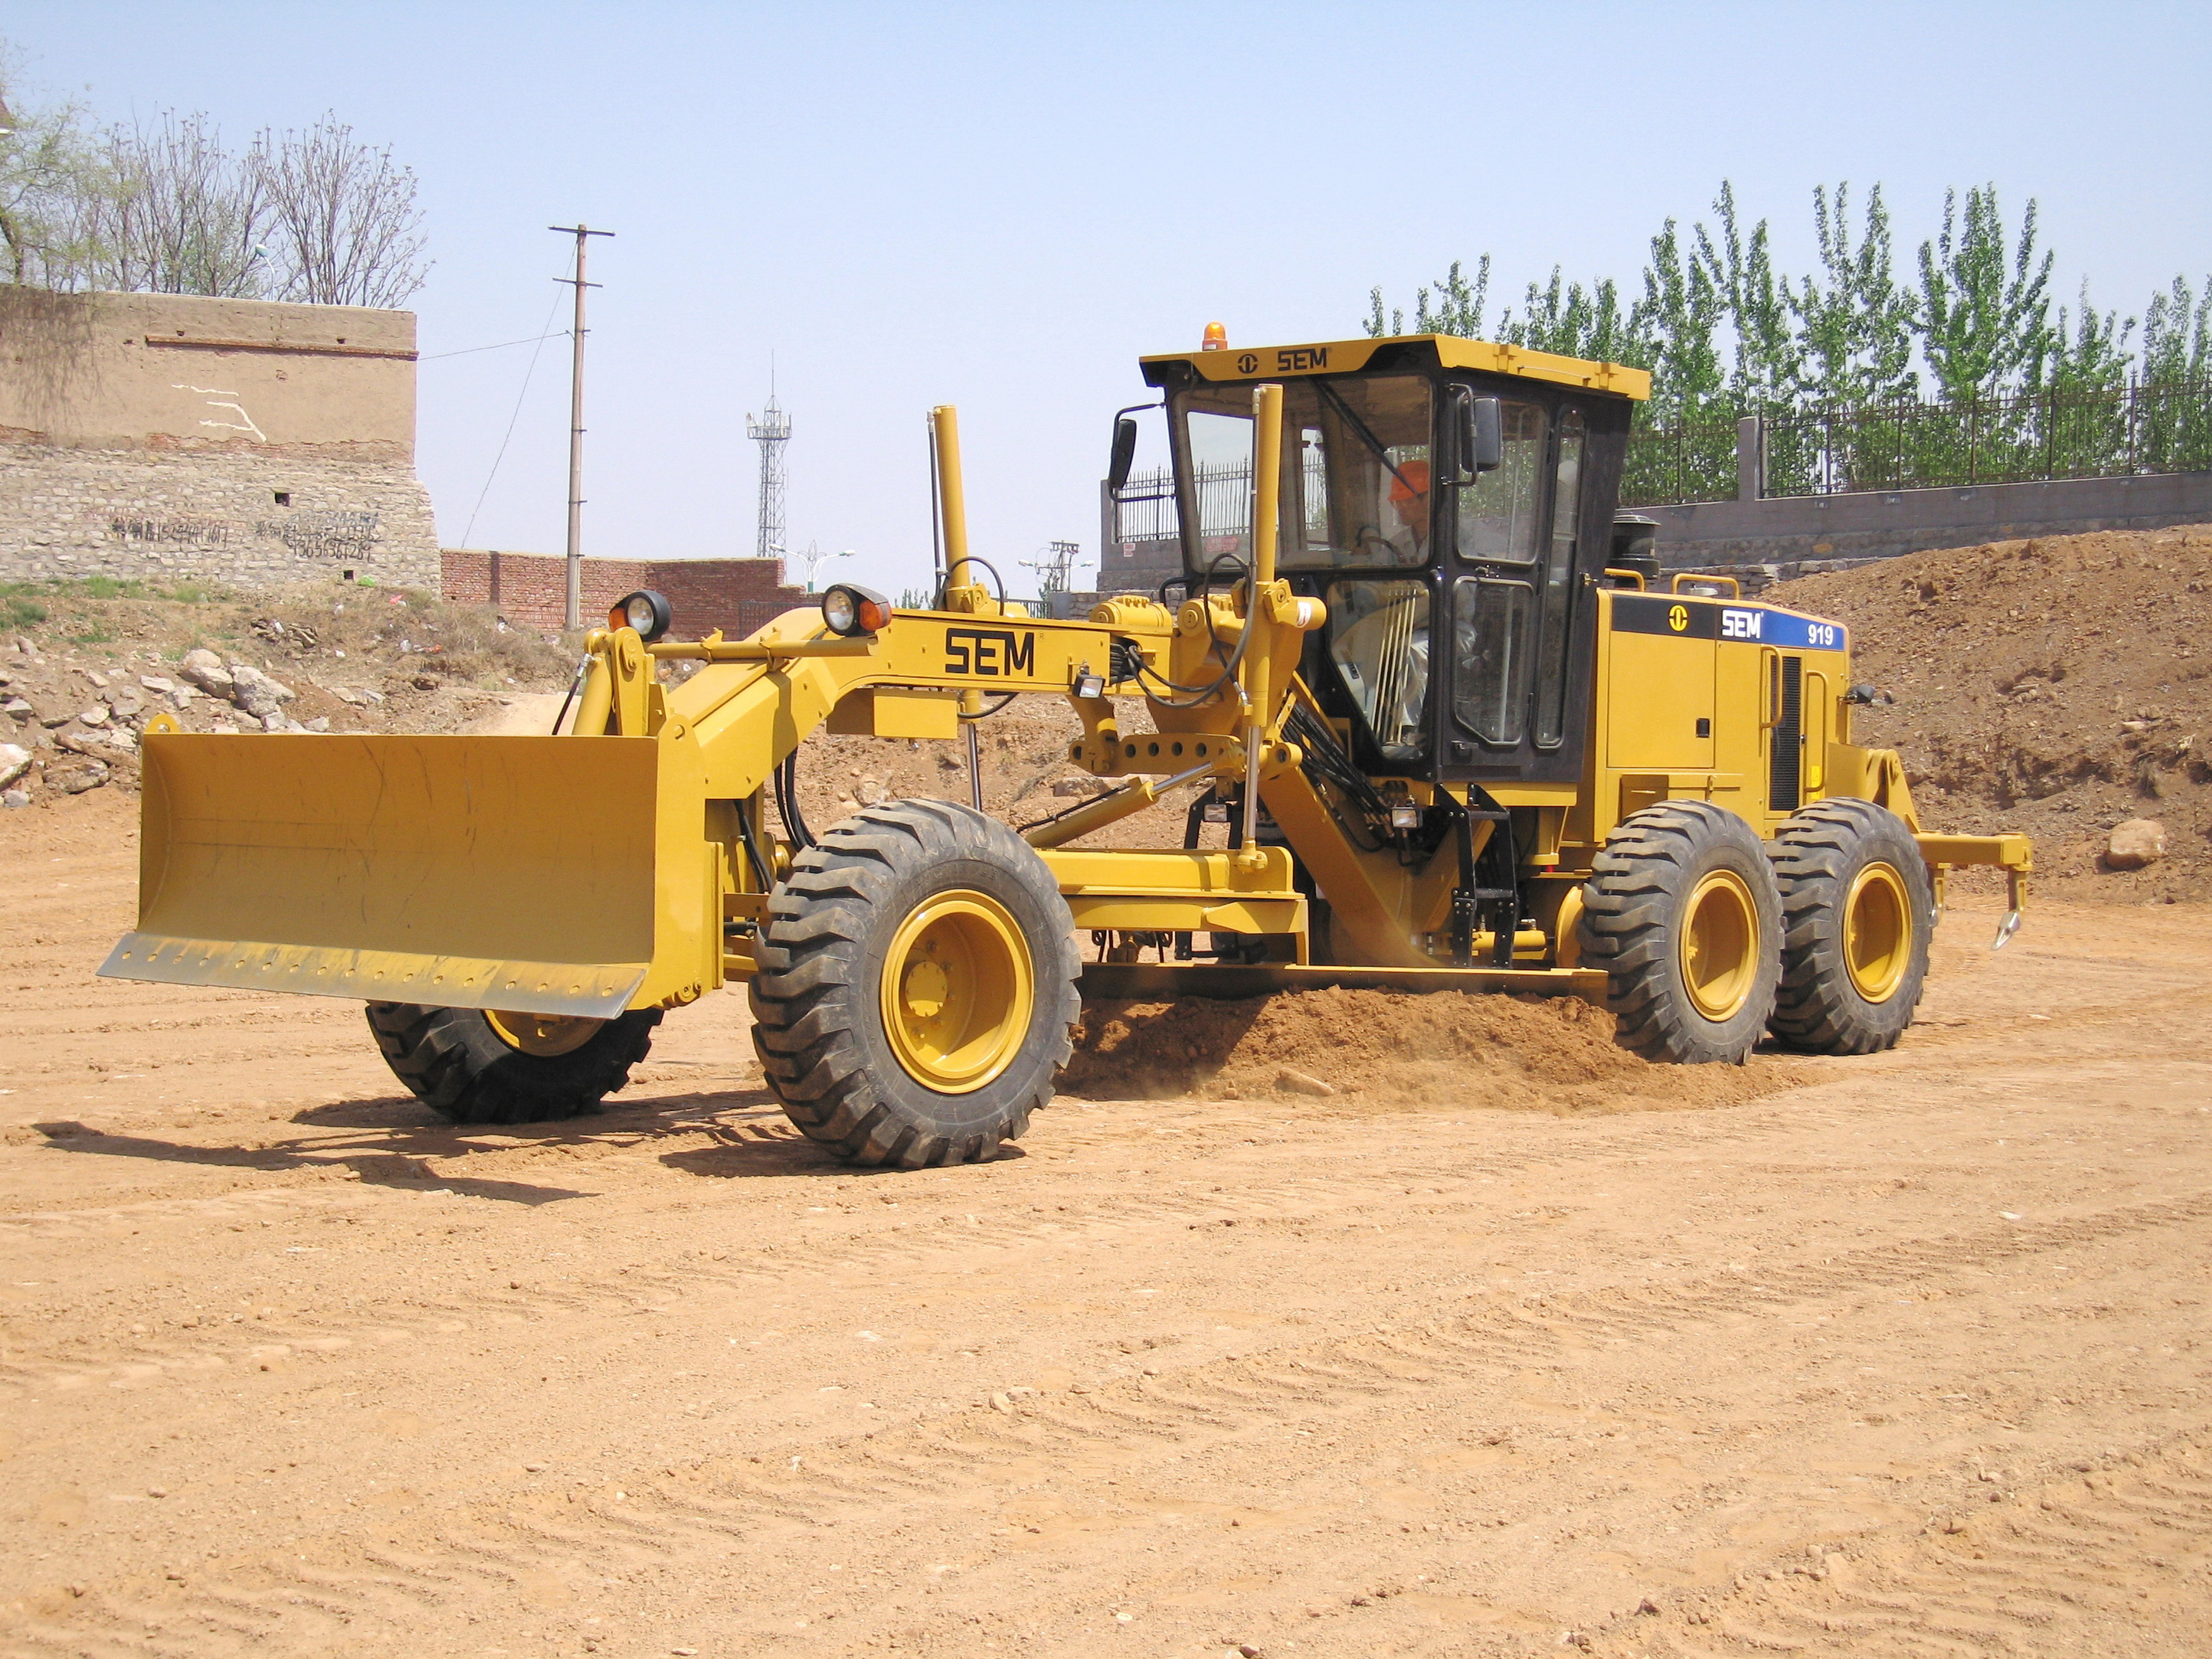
[{"x": 735, "y": 595}]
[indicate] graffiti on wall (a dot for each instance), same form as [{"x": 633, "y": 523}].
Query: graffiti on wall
[
  {"x": 325, "y": 535},
  {"x": 233, "y": 407},
  {"x": 174, "y": 532}
]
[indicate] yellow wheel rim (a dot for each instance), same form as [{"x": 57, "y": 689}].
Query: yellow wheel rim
[
  {"x": 1877, "y": 933},
  {"x": 1720, "y": 945},
  {"x": 957, "y": 989},
  {"x": 545, "y": 1035}
]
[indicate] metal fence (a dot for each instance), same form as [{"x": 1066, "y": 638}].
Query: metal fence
[
  {"x": 1144, "y": 508},
  {"x": 2120, "y": 433}
]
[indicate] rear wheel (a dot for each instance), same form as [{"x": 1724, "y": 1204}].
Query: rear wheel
[
  {"x": 1683, "y": 913},
  {"x": 1859, "y": 911},
  {"x": 916, "y": 986},
  {"x": 483, "y": 1065}
]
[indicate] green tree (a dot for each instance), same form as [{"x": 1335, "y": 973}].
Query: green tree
[
  {"x": 1457, "y": 308},
  {"x": 50, "y": 174},
  {"x": 1680, "y": 315},
  {"x": 1854, "y": 321},
  {"x": 2176, "y": 337},
  {"x": 1576, "y": 322},
  {"x": 2174, "y": 430},
  {"x": 2089, "y": 352},
  {"x": 1982, "y": 317},
  {"x": 1767, "y": 373}
]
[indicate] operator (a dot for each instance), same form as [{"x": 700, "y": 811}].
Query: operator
[{"x": 1409, "y": 500}]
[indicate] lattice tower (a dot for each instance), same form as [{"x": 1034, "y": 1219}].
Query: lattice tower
[{"x": 771, "y": 432}]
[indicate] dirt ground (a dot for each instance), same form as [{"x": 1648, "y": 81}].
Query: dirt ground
[{"x": 1900, "y": 1355}]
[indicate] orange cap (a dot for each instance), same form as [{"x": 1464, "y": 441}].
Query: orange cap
[
  {"x": 1217, "y": 339},
  {"x": 1413, "y": 480}
]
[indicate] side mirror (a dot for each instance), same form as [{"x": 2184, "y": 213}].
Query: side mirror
[
  {"x": 1125, "y": 452},
  {"x": 1477, "y": 435},
  {"x": 1487, "y": 452}
]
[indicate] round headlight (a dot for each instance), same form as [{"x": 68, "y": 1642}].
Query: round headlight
[
  {"x": 648, "y": 612},
  {"x": 848, "y": 609}
]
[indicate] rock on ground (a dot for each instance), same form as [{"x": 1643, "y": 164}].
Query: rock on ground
[{"x": 2137, "y": 843}]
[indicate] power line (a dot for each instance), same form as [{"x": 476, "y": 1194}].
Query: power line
[
  {"x": 557, "y": 334},
  {"x": 511, "y": 420}
]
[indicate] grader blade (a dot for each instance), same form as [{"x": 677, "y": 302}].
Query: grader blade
[{"x": 514, "y": 873}]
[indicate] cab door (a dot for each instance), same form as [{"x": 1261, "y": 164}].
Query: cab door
[{"x": 1518, "y": 602}]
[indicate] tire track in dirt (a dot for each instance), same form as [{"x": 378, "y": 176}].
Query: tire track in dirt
[
  {"x": 2088, "y": 1562},
  {"x": 695, "y": 1511},
  {"x": 947, "y": 1237},
  {"x": 906, "y": 1246},
  {"x": 944, "y": 1238}
]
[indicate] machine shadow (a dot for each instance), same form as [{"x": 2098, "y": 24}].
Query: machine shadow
[
  {"x": 378, "y": 1166},
  {"x": 783, "y": 1150},
  {"x": 395, "y": 1138}
]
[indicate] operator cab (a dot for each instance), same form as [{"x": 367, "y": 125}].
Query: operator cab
[{"x": 1451, "y": 501}]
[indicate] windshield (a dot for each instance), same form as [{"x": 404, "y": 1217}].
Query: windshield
[{"x": 1355, "y": 488}]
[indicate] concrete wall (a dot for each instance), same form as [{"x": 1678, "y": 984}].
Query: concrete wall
[
  {"x": 237, "y": 441},
  {"x": 530, "y": 589},
  {"x": 1792, "y": 532}
]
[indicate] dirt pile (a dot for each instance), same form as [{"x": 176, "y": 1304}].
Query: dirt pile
[
  {"x": 1447, "y": 1049},
  {"x": 2059, "y": 685}
]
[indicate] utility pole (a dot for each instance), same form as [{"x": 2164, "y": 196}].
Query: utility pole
[{"x": 572, "y": 610}]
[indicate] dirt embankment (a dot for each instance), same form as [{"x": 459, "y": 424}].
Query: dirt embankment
[
  {"x": 2058, "y": 685},
  {"x": 369, "y": 659},
  {"x": 84, "y": 666}
]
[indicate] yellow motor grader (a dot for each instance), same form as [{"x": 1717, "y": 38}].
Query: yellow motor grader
[{"x": 1458, "y": 735}]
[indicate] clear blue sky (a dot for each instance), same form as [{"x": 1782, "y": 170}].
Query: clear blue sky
[{"x": 1001, "y": 207}]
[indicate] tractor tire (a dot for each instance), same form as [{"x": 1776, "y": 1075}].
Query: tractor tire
[
  {"x": 916, "y": 988},
  {"x": 1859, "y": 911},
  {"x": 473, "y": 1066},
  {"x": 1683, "y": 912}
]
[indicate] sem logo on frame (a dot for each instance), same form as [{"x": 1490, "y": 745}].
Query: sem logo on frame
[{"x": 989, "y": 653}]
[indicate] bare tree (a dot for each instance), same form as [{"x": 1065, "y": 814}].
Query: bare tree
[
  {"x": 344, "y": 216},
  {"x": 182, "y": 215}
]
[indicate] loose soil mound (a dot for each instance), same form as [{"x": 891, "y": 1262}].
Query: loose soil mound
[
  {"x": 1447, "y": 1049},
  {"x": 2057, "y": 685}
]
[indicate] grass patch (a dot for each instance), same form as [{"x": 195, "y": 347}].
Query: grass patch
[{"x": 112, "y": 588}]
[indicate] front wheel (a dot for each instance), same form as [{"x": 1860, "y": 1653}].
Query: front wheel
[
  {"x": 481, "y": 1065},
  {"x": 1683, "y": 913},
  {"x": 1858, "y": 910},
  {"x": 916, "y": 986}
]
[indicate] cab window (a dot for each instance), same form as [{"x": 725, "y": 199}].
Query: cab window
[
  {"x": 1491, "y": 626},
  {"x": 1498, "y": 513},
  {"x": 1378, "y": 639},
  {"x": 1355, "y": 474}
]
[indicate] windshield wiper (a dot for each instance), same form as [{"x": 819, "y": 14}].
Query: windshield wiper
[{"x": 1345, "y": 412}]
